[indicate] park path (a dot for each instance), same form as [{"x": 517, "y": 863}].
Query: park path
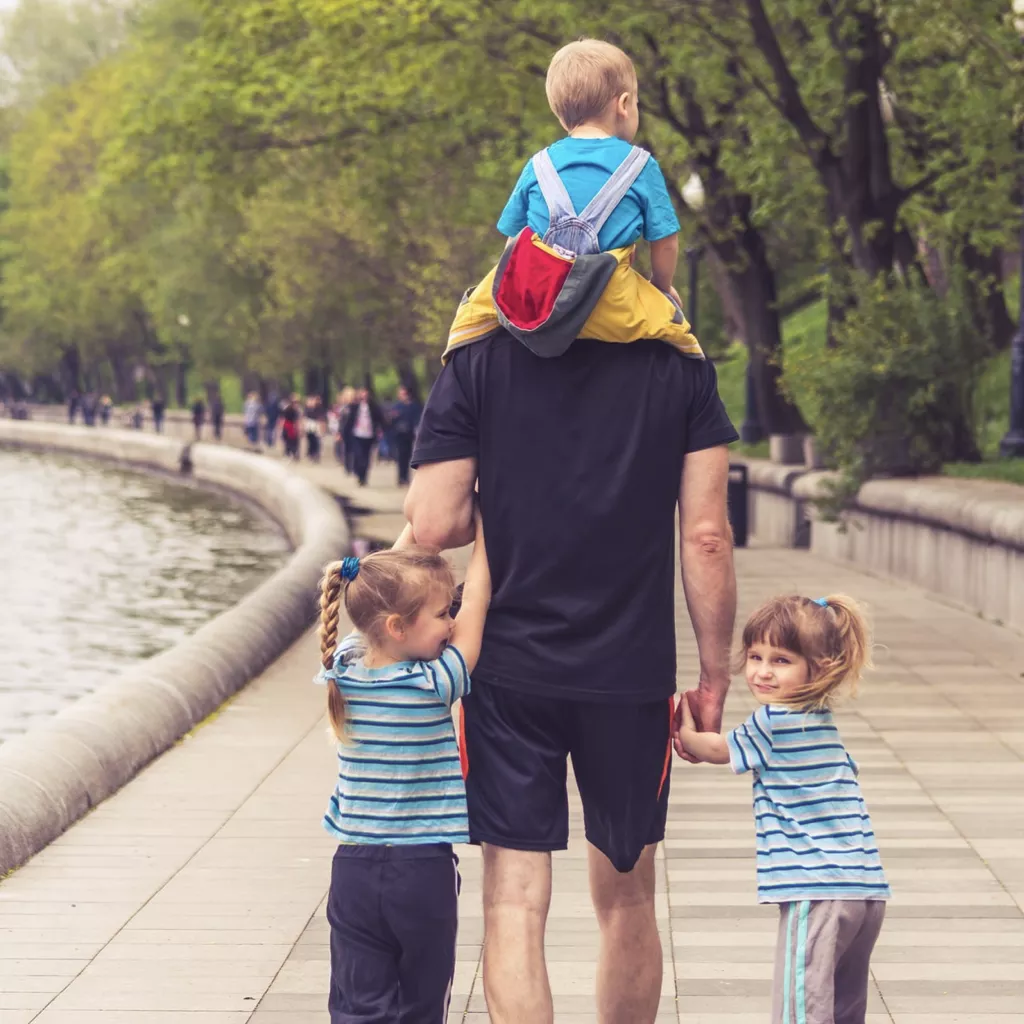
[{"x": 195, "y": 895}]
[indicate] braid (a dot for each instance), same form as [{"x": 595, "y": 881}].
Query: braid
[
  {"x": 331, "y": 587},
  {"x": 330, "y": 613}
]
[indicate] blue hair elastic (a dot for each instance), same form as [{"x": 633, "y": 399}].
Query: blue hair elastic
[
  {"x": 823, "y": 601},
  {"x": 349, "y": 568}
]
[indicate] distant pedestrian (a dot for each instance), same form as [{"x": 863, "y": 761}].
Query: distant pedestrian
[
  {"x": 290, "y": 419},
  {"x": 198, "y": 417},
  {"x": 313, "y": 425},
  {"x": 217, "y": 416},
  {"x": 817, "y": 857},
  {"x": 251, "y": 414},
  {"x": 393, "y": 900},
  {"x": 367, "y": 422},
  {"x": 106, "y": 407},
  {"x": 74, "y": 400},
  {"x": 157, "y": 406},
  {"x": 90, "y": 404},
  {"x": 405, "y": 418},
  {"x": 271, "y": 414},
  {"x": 346, "y": 418}
]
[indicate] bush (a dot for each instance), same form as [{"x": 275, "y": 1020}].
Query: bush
[{"x": 893, "y": 394}]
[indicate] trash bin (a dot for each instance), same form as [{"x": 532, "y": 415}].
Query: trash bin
[{"x": 738, "y": 497}]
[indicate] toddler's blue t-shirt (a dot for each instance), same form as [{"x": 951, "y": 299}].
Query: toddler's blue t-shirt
[{"x": 584, "y": 165}]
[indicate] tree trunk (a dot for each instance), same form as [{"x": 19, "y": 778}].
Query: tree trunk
[
  {"x": 729, "y": 296},
  {"x": 181, "y": 386},
  {"x": 756, "y": 286},
  {"x": 986, "y": 298},
  {"x": 71, "y": 370},
  {"x": 407, "y": 373},
  {"x": 745, "y": 257}
]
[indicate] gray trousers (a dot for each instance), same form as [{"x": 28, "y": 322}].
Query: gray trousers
[{"x": 822, "y": 960}]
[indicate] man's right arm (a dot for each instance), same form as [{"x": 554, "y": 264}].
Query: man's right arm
[
  {"x": 440, "y": 502},
  {"x": 709, "y": 578}
]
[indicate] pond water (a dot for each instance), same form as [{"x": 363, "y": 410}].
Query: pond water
[{"x": 101, "y": 567}]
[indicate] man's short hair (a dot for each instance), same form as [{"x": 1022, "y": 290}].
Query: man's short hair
[{"x": 584, "y": 77}]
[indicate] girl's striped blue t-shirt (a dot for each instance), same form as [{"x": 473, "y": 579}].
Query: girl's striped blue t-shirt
[
  {"x": 399, "y": 774},
  {"x": 814, "y": 836}
]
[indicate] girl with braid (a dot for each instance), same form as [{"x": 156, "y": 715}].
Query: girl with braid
[{"x": 400, "y": 800}]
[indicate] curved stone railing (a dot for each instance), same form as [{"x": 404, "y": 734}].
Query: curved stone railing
[
  {"x": 961, "y": 538},
  {"x": 50, "y": 777}
]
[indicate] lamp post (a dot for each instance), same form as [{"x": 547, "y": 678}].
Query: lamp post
[
  {"x": 1012, "y": 445},
  {"x": 181, "y": 384},
  {"x": 693, "y": 196}
]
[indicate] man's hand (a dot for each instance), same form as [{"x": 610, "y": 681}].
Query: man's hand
[{"x": 700, "y": 710}]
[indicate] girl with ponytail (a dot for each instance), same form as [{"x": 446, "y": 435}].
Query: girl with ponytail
[
  {"x": 400, "y": 798},
  {"x": 817, "y": 857}
]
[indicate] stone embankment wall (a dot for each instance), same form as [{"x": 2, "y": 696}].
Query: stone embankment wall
[
  {"x": 51, "y": 776},
  {"x": 963, "y": 539}
]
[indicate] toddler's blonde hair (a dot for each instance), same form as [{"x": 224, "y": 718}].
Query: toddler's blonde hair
[
  {"x": 393, "y": 582},
  {"x": 834, "y": 638},
  {"x": 584, "y": 77}
]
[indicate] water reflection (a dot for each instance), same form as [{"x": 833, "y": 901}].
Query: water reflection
[{"x": 101, "y": 567}]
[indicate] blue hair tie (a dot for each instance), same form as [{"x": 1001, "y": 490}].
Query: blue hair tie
[
  {"x": 349, "y": 568},
  {"x": 822, "y": 601}
]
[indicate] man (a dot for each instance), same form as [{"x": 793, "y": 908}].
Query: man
[
  {"x": 582, "y": 459},
  {"x": 217, "y": 415},
  {"x": 198, "y": 416},
  {"x": 405, "y": 418},
  {"x": 158, "y": 414}
]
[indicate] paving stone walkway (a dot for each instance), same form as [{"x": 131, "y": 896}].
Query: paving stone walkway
[{"x": 195, "y": 895}]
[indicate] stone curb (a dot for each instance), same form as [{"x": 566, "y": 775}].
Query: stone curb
[
  {"x": 959, "y": 538},
  {"x": 53, "y": 775},
  {"x": 985, "y": 510}
]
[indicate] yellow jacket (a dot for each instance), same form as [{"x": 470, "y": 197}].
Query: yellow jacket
[{"x": 629, "y": 308}]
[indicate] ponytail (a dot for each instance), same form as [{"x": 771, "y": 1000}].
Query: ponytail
[
  {"x": 853, "y": 651},
  {"x": 331, "y": 589}
]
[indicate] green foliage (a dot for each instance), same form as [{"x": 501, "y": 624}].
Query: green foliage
[
  {"x": 265, "y": 187},
  {"x": 895, "y": 393}
]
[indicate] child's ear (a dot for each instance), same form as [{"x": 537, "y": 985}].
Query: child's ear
[{"x": 394, "y": 626}]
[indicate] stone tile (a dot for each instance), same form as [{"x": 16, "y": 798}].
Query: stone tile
[{"x": 137, "y": 1017}]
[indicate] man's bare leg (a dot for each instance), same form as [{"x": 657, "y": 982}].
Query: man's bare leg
[
  {"x": 517, "y": 894},
  {"x": 629, "y": 965}
]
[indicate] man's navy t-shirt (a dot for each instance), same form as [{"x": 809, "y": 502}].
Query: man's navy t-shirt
[{"x": 580, "y": 459}]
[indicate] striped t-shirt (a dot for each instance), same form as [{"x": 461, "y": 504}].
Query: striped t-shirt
[
  {"x": 814, "y": 836},
  {"x": 399, "y": 776}
]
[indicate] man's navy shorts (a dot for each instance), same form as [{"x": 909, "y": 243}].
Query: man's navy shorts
[{"x": 514, "y": 749}]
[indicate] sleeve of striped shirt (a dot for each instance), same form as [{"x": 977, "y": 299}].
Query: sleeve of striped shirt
[
  {"x": 449, "y": 676},
  {"x": 351, "y": 646},
  {"x": 750, "y": 744}
]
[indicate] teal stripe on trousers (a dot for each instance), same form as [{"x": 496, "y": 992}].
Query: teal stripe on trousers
[
  {"x": 788, "y": 972},
  {"x": 801, "y": 962}
]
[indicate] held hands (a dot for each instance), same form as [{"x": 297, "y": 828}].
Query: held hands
[
  {"x": 696, "y": 728},
  {"x": 684, "y": 728}
]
